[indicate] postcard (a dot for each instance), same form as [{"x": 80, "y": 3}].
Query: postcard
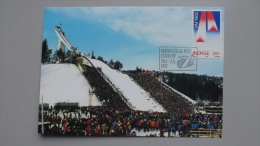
[{"x": 132, "y": 72}]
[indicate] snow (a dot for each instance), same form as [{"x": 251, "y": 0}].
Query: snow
[
  {"x": 136, "y": 95},
  {"x": 153, "y": 132},
  {"x": 64, "y": 83}
]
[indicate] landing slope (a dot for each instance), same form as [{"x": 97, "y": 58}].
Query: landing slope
[
  {"x": 136, "y": 95},
  {"x": 64, "y": 83}
]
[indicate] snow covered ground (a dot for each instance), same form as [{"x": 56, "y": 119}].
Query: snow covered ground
[
  {"x": 136, "y": 95},
  {"x": 64, "y": 83}
]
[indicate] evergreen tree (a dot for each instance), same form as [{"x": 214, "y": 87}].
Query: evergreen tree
[
  {"x": 93, "y": 56},
  {"x": 48, "y": 55},
  {"x": 111, "y": 63},
  {"x": 68, "y": 53},
  {"x": 100, "y": 58},
  {"x": 118, "y": 65},
  {"x": 54, "y": 57},
  {"x": 44, "y": 50},
  {"x": 61, "y": 55},
  {"x": 137, "y": 69}
]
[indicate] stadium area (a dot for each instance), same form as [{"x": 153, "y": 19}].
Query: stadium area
[{"x": 108, "y": 102}]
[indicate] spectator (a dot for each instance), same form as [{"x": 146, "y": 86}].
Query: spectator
[{"x": 117, "y": 119}]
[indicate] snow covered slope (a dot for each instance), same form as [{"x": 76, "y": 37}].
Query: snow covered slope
[
  {"x": 136, "y": 95},
  {"x": 64, "y": 83}
]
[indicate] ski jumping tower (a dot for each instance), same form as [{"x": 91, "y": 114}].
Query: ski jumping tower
[{"x": 63, "y": 42}]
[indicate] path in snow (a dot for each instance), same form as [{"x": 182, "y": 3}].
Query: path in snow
[
  {"x": 136, "y": 95},
  {"x": 64, "y": 83}
]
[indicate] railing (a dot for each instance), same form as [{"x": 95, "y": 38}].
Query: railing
[
  {"x": 116, "y": 89},
  {"x": 108, "y": 80},
  {"x": 206, "y": 132}
]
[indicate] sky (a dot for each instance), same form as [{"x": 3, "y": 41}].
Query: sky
[{"x": 131, "y": 35}]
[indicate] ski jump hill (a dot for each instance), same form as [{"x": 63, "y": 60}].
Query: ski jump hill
[
  {"x": 137, "y": 96},
  {"x": 66, "y": 83}
]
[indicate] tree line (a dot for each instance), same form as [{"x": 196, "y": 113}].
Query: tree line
[
  {"x": 60, "y": 56},
  {"x": 197, "y": 87},
  {"x": 112, "y": 64}
]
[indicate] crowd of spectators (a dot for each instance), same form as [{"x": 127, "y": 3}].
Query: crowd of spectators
[
  {"x": 115, "y": 118},
  {"x": 102, "y": 89},
  {"x": 169, "y": 99},
  {"x": 109, "y": 121}
]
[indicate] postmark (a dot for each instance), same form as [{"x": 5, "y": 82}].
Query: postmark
[{"x": 178, "y": 58}]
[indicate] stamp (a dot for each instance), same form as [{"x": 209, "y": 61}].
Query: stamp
[
  {"x": 207, "y": 33},
  {"x": 178, "y": 58}
]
